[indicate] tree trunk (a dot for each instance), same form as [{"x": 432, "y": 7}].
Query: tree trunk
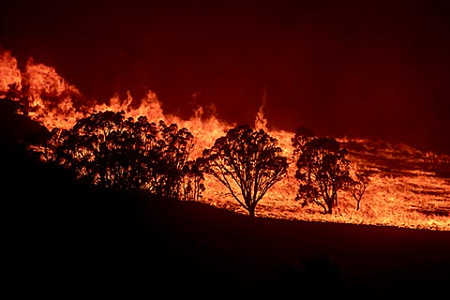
[
  {"x": 330, "y": 206},
  {"x": 251, "y": 210}
]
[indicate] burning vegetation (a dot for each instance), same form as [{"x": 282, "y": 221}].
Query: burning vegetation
[{"x": 269, "y": 173}]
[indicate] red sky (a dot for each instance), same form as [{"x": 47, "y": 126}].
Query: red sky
[{"x": 369, "y": 68}]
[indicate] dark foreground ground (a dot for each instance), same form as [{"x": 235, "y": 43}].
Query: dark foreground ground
[{"x": 64, "y": 238}]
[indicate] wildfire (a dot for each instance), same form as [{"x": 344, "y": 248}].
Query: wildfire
[
  {"x": 405, "y": 188},
  {"x": 9, "y": 73}
]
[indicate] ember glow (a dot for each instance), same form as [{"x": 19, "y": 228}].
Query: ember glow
[{"x": 408, "y": 188}]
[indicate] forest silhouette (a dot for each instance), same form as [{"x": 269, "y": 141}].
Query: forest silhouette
[{"x": 111, "y": 151}]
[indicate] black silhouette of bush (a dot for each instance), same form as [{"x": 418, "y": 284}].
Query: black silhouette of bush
[
  {"x": 248, "y": 162},
  {"x": 112, "y": 151}
]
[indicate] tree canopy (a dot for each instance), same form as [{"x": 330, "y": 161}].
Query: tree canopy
[
  {"x": 248, "y": 162},
  {"x": 112, "y": 151},
  {"x": 322, "y": 171}
]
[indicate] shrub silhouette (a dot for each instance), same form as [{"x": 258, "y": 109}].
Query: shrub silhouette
[
  {"x": 248, "y": 162},
  {"x": 322, "y": 171},
  {"x": 112, "y": 151}
]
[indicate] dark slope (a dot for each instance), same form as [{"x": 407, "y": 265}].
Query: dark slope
[
  {"x": 65, "y": 237},
  {"x": 69, "y": 237},
  {"x": 260, "y": 251}
]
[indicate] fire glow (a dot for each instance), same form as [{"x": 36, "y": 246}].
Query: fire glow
[{"x": 405, "y": 189}]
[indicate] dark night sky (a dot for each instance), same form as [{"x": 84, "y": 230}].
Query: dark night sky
[{"x": 363, "y": 68}]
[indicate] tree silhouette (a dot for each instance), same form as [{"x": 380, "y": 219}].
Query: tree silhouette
[
  {"x": 193, "y": 181},
  {"x": 247, "y": 162},
  {"x": 108, "y": 150},
  {"x": 112, "y": 151},
  {"x": 301, "y": 137},
  {"x": 175, "y": 147},
  {"x": 358, "y": 188},
  {"x": 322, "y": 171}
]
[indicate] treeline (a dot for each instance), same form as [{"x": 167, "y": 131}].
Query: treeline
[{"x": 112, "y": 151}]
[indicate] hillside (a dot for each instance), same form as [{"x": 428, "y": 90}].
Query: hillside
[
  {"x": 65, "y": 237},
  {"x": 408, "y": 188}
]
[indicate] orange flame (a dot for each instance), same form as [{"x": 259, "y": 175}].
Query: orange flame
[
  {"x": 9, "y": 73},
  {"x": 415, "y": 198},
  {"x": 261, "y": 121}
]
